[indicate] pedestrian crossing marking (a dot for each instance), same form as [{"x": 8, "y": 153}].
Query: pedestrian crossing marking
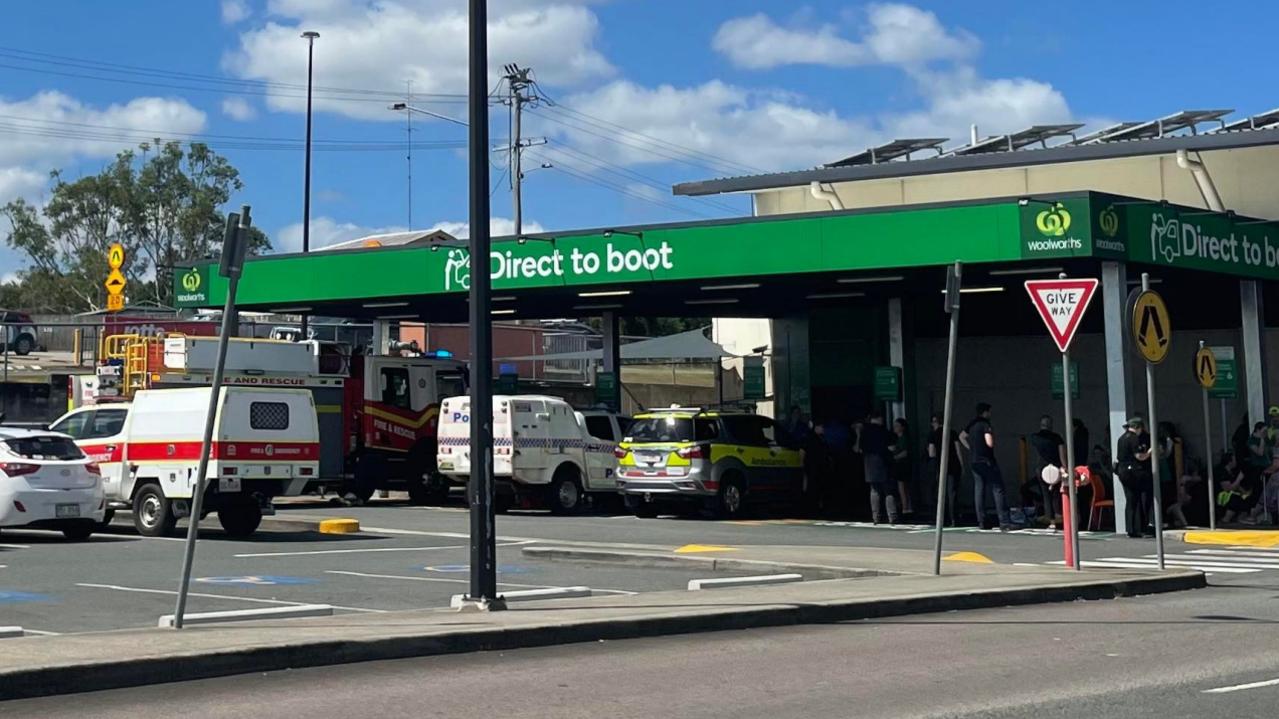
[{"x": 1241, "y": 560}]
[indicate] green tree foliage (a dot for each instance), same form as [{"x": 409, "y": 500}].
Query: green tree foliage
[{"x": 163, "y": 202}]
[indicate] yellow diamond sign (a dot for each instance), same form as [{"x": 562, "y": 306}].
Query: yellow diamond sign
[{"x": 115, "y": 283}]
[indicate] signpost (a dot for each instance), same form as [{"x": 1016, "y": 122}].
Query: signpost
[
  {"x": 1226, "y": 387},
  {"x": 888, "y": 384},
  {"x": 1206, "y": 372},
  {"x": 1152, "y": 335},
  {"x": 235, "y": 241},
  {"x": 115, "y": 278},
  {"x": 1062, "y": 303},
  {"x": 954, "y": 278}
]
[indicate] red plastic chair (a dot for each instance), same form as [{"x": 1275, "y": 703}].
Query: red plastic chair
[{"x": 1099, "y": 501}]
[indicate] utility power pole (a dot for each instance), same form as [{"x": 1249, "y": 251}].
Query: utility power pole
[
  {"x": 408, "y": 124},
  {"x": 518, "y": 83}
]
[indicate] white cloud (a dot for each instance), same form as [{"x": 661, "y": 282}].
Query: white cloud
[
  {"x": 9, "y": 278},
  {"x": 960, "y": 98},
  {"x": 896, "y": 35},
  {"x": 381, "y": 45},
  {"x": 57, "y": 127},
  {"x": 234, "y": 11},
  {"x": 327, "y": 231},
  {"x": 238, "y": 108},
  {"x": 757, "y": 130},
  {"x": 18, "y": 182}
]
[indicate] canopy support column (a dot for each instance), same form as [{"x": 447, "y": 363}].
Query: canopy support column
[
  {"x": 611, "y": 363},
  {"x": 1253, "y": 313},
  {"x": 1114, "y": 294}
]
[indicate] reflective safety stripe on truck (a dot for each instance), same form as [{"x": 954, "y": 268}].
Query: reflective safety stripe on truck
[{"x": 190, "y": 451}]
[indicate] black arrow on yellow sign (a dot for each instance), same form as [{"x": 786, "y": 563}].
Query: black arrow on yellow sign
[{"x": 1150, "y": 322}]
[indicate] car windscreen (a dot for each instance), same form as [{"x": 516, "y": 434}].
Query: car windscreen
[
  {"x": 661, "y": 429},
  {"x": 48, "y": 447}
]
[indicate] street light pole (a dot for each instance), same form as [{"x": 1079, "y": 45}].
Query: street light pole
[
  {"x": 310, "y": 37},
  {"x": 483, "y": 594}
]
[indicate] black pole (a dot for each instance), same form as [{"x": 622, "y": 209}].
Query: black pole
[
  {"x": 483, "y": 536},
  {"x": 306, "y": 189}
]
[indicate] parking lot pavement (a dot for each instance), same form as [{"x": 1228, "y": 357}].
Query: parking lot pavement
[{"x": 120, "y": 579}]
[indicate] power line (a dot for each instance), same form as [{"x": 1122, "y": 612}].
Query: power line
[
  {"x": 634, "y": 176},
  {"x": 585, "y": 176}
]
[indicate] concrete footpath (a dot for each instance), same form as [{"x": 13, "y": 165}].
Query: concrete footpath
[{"x": 877, "y": 583}]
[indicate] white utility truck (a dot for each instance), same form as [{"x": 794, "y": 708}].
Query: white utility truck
[
  {"x": 266, "y": 443},
  {"x": 544, "y": 452}
]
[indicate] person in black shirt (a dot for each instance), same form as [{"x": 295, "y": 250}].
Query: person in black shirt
[
  {"x": 1080, "y": 439},
  {"x": 954, "y": 470},
  {"x": 1132, "y": 456},
  {"x": 1050, "y": 451},
  {"x": 874, "y": 442},
  {"x": 979, "y": 438}
]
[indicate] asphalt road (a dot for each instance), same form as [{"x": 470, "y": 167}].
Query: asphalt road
[
  {"x": 1191, "y": 654},
  {"x": 412, "y": 557}
]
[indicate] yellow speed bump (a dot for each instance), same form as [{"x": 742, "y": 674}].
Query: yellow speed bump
[
  {"x": 970, "y": 557},
  {"x": 699, "y": 548},
  {"x": 339, "y": 526},
  {"x": 1237, "y": 538}
]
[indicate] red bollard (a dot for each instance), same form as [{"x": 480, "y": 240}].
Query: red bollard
[{"x": 1066, "y": 520}]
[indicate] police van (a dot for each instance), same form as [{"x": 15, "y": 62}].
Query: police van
[
  {"x": 544, "y": 452},
  {"x": 266, "y": 443}
]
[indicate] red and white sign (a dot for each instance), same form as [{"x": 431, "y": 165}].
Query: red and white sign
[{"x": 1061, "y": 303}]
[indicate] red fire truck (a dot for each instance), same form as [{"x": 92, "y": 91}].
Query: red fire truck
[{"x": 377, "y": 414}]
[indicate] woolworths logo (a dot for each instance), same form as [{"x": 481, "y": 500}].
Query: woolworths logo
[
  {"x": 1108, "y": 223},
  {"x": 189, "y": 287},
  {"x": 191, "y": 281},
  {"x": 575, "y": 262},
  {"x": 1053, "y": 222}
]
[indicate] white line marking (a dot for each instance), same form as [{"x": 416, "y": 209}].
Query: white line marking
[
  {"x": 461, "y": 581},
  {"x": 1267, "y": 562},
  {"x": 15, "y": 546},
  {"x": 1274, "y": 557},
  {"x": 1257, "y": 549},
  {"x": 1241, "y": 687},
  {"x": 37, "y": 632},
  {"x": 1139, "y": 563},
  {"x": 528, "y": 540},
  {"x": 141, "y": 590}
]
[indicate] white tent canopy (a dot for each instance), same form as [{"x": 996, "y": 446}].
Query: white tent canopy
[{"x": 691, "y": 345}]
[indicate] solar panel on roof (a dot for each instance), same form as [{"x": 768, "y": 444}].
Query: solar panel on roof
[
  {"x": 1259, "y": 121},
  {"x": 1019, "y": 139},
  {"x": 1165, "y": 125},
  {"x": 1095, "y": 136},
  {"x": 892, "y": 151}
]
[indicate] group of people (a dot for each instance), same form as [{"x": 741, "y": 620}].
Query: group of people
[{"x": 1248, "y": 476}]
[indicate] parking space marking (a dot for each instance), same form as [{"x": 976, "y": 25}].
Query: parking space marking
[
  {"x": 40, "y": 633},
  {"x": 15, "y": 546},
  {"x": 461, "y": 581},
  {"x": 255, "y": 600},
  {"x": 1241, "y": 687}
]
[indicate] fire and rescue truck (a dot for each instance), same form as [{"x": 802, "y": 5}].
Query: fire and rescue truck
[{"x": 377, "y": 413}]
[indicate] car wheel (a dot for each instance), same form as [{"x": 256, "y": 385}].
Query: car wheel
[
  {"x": 565, "y": 492},
  {"x": 24, "y": 345},
  {"x": 79, "y": 532},
  {"x": 152, "y": 512},
  {"x": 730, "y": 503},
  {"x": 240, "y": 518}
]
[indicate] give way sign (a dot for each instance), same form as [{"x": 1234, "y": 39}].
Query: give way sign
[{"x": 1062, "y": 304}]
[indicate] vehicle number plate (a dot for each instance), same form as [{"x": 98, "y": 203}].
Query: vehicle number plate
[
  {"x": 67, "y": 510},
  {"x": 228, "y": 484},
  {"x": 446, "y": 466}
]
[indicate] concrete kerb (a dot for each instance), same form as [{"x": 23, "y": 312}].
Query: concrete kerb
[
  {"x": 1263, "y": 538},
  {"x": 709, "y": 564},
  {"x": 33, "y": 681}
]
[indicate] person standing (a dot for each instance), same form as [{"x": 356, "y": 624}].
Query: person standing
[
  {"x": 1050, "y": 451},
  {"x": 954, "y": 469},
  {"x": 1132, "y": 456},
  {"x": 903, "y": 465},
  {"x": 874, "y": 443},
  {"x": 979, "y": 438},
  {"x": 1079, "y": 439}
]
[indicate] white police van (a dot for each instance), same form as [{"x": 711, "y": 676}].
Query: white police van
[{"x": 544, "y": 452}]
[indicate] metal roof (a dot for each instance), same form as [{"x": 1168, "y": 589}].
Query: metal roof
[{"x": 1085, "y": 149}]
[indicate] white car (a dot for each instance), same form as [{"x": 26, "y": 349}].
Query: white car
[{"x": 47, "y": 482}]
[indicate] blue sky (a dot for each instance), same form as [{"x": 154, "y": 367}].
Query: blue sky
[{"x": 647, "y": 92}]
